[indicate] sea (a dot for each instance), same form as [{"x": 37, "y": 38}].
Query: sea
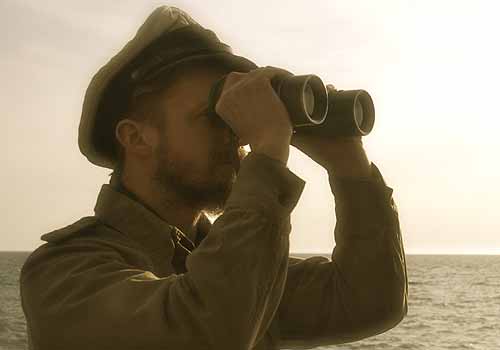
[{"x": 454, "y": 303}]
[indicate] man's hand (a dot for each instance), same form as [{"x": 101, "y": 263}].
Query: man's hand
[
  {"x": 255, "y": 113},
  {"x": 340, "y": 156}
]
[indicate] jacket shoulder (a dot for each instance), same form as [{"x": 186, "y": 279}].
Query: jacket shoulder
[{"x": 71, "y": 230}]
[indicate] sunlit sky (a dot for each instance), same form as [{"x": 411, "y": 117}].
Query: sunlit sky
[{"x": 431, "y": 68}]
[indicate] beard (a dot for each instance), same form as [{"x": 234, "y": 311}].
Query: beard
[{"x": 207, "y": 193}]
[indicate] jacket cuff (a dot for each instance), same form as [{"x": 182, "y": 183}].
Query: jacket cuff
[
  {"x": 360, "y": 189},
  {"x": 362, "y": 206},
  {"x": 267, "y": 184}
]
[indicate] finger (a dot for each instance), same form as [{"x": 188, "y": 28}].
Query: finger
[
  {"x": 269, "y": 72},
  {"x": 232, "y": 79},
  {"x": 331, "y": 87}
]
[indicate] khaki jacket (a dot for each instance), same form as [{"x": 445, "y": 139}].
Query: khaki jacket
[{"x": 126, "y": 279}]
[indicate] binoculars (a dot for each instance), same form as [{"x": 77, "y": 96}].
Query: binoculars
[{"x": 314, "y": 109}]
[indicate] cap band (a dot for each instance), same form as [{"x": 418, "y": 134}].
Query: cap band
[{"x": 174, "y": 46}]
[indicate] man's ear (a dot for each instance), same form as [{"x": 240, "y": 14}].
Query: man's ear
[{"x": 136, "y": 137}]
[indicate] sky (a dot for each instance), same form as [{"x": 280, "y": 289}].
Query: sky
[{"x": 430, "y": 66}]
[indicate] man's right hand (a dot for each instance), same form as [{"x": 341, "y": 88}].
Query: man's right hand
[{"x": 255, "y": 113}]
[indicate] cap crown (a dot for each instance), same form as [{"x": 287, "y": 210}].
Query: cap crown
[{"x": 168, "y": 36}]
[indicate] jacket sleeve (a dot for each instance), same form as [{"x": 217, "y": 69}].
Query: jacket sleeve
[
  {"x": 83, "y": 295},
  {"x": 362, "y": 290}
]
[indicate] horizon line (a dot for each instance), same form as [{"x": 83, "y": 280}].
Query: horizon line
[{"x": 330, "y": 253}]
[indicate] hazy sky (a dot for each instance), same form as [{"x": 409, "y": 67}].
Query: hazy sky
[{"x": 430, "y": 66}]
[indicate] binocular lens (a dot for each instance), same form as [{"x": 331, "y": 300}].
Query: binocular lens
[
  {"x": 358, "y": 113},
  {"x": 315, "y": 109},
  {"x": 309, "y": 99}
]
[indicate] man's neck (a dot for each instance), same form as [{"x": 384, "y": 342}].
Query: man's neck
[{"x": 168, "y": 209}]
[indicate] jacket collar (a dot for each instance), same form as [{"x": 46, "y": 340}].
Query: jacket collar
[{"x": 121, "y": 209}]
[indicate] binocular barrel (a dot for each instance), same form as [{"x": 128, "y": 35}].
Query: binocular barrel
[{"x": 316, "y": 110}]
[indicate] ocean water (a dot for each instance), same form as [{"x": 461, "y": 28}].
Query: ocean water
[{"x": 454, "y": 303}]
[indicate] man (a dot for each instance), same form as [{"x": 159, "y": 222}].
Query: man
[{"x": 150, "y": 271}]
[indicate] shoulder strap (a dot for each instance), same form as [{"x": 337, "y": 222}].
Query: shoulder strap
[{"x": 70, "y": 230}]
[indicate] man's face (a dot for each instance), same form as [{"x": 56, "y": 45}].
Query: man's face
[{"x": 196, "y": 158}]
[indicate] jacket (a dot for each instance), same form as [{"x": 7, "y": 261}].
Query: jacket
[{"x": 126, "y": 279}]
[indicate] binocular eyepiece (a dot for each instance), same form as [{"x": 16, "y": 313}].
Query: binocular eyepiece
[{"x": 315, "y": 109}]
